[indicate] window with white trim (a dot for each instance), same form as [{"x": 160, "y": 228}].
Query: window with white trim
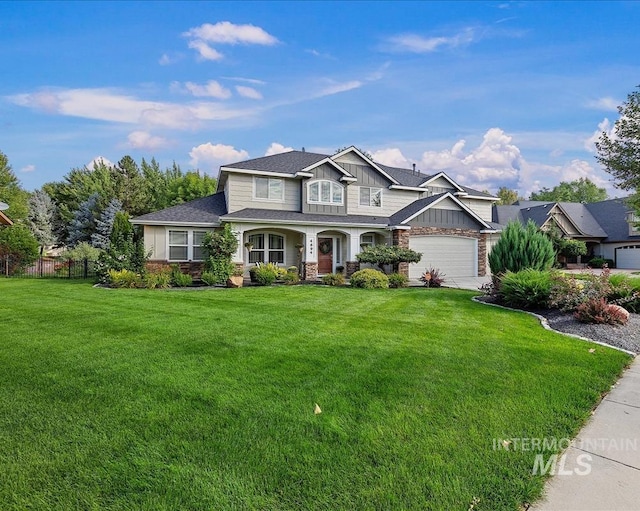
[
  {"x": 367, "y": 240},
  {"x": 185, "y": 245},
  {"x": 268, "y": 188},
  {"x": 370, "y": 196},
  {"x": 325, "y": 192},
  {"x": 266, "y": 248}
]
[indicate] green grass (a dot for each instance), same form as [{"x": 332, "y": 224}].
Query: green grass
[{"x": 165, "y": 400}]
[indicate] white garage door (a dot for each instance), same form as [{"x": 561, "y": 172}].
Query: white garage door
[
  {"x": 454, "y": 256},
  {"x": 628, "y": 257}
]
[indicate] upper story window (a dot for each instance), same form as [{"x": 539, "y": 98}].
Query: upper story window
[
  {"x": 370, "y": 196},
  {"x": 325, "y": 192},
  {"x": 268, "y": 188},
  {"x": 185, "y": 245}
]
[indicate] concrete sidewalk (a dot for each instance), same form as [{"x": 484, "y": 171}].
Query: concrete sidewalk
[{"x": 601, "y": 469}]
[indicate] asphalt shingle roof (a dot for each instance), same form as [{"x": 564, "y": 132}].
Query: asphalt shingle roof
[
  {"x": 412, "y": 209},
  {"x": 611, "y": 215},
  {"x": 295, "y": 216},
  {"x": 206, "y": 210},
  {"x": 289, "y": 163}
]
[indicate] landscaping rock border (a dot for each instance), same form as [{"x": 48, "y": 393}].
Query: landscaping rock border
[{"x": 622, "y": 337}]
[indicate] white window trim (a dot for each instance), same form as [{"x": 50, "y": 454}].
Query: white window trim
[
  {"x": 266, "y": 248},
  {"x": 269, "y": 179},
  {"x": 370, "y": 189},
  {"x": 189, "y": 245},
  {"x": 319, "y": 201}
]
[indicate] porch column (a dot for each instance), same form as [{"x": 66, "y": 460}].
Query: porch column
[
  {"x": 352, "y": 265},
  {"x": 238, "y": 257}
]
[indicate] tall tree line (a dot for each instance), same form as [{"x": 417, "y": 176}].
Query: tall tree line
[{"x": 82, "y": 205}]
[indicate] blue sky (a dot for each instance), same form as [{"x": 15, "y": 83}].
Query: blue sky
[{"x": 493, "y": 93}]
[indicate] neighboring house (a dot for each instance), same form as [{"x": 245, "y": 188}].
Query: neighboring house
[
  {"x": 609, "y": 228},
  {"x": 318, "y": 212},
  {"x": 4, "y": 219}
]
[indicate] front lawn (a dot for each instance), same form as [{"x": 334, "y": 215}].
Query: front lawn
[{"x": 165, "y": 400}]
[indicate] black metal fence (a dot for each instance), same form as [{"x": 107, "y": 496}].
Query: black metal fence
[{"x": 48, "y": 267}]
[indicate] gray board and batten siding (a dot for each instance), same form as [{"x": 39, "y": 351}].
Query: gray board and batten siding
[{"x": 435, "y": 217}]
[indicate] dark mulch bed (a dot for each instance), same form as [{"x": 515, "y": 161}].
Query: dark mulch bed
[{"x": 621, "y": 336}]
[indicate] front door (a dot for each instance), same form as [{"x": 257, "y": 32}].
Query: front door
[{"x": 325, "y": 255}]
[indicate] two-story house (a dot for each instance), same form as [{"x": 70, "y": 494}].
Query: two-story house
[{"x": 318, "y": 212}]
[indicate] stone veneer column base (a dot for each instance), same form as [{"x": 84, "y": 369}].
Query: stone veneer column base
[
  {"x": 352, "y": 267},
  {"x": 310, "y": 271}
]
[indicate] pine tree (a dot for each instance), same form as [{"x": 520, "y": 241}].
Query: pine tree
[
  {"x": 521, "y": 247},
  {"x": 83, "y": 225},
  {"x": 104, "y": 225},
  {"x": 40, "y": 218}
]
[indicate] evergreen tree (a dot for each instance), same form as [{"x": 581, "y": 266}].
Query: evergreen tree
[
  {"x": 521, "y": 247},
  {"x": 84, "y": 222},
  {"x": 104, "y": 225},
  {"x": 40, "y": 218}
]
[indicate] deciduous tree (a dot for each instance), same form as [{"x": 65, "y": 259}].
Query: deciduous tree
[
  {"x": 619, "y": 152},
  {"x": 581, "y": 190}
]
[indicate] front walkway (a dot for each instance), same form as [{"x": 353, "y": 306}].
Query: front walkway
[{"x": 601, "y": 469}]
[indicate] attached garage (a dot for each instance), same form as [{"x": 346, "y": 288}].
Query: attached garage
[
  {"x": 455, "y": 256},
  {"x": 628, "y": 257}
]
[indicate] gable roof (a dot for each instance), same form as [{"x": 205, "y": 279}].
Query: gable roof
[
  {"x": 417, "y": 207},
  {"x": 609, "y": 213},
  {"x": 205, "y": 212},
  {"x": 295, "y": 162},
  {"x": 605, "y": 219}
]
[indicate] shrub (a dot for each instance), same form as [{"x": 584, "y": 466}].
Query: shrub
[
  {"x": 521, "y": 247},
  {"x": 218, "y": 270},
  {"x": 266, "y": 274},
  {"x": 384, "y": 254},
  {"x": 21, "y": 247},
  {"x": 82, "y": 251},
  {"x": 398, "y": 280},
  {"x": 597, "y": 310},
  {"x": 157, "y": 276},
  {"x": 529, "y": 288},
  {"x": 218, "y": 248},
  {"x": 369, "y": 279},
  {"x": 433, "y": 277},
  {"x": 181, "y": 279},
  {"x": 124, "y": 278},
  {"x": 600, "y": 262},
  {"x": 333, "y": 279},
  {"x": 566, "y": 292},
  {"x": 209, "y": 278},
  {"x": 291, "y": 278}
]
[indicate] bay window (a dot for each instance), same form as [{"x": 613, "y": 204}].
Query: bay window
[{"x": 325, "y": 192}]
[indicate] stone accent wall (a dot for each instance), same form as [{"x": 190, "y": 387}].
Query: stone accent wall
[
  {"x": 193, "y": 268},
  {"x": 352, "y": 267},
  {"x": 468, "y": 233},
  {"x": 400, "y": 237},
  {"x": 310, "y": 271},
  {"x": 239, "y": 267}
]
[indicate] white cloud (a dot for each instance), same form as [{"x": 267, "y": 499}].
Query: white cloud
[
  {"x": 211, "y": 89},
  {"x": 276, "y": 148},
  {"x": 109, "y": 105},
  {"x": 248, "y": 92},
  {"x": 606, "y": 103},
  {"x": 209, "y": 157},
  {"x": 246, "y": 80},
  {"x": 144, "y": 140},
  {"x": 392, "y": 157},
  {"x": 225, "y": 32},
  {"x": 168, "y": 59},
  {"x": 605, "y": 126},
  {"x": 338, "y": 87},
  {"x": 205, "y": 51},
  {"x": 28, "y": 168},
  {"x": 98, "y": 160},
  {"x": 414, "y": 43}
]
